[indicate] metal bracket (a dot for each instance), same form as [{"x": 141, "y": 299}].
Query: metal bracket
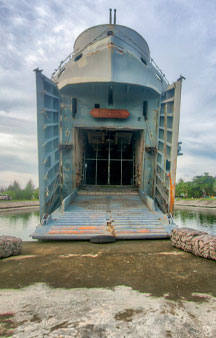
[
  {"x": 179, "y": 149},
  {"x": 65, "y": 147},
  {"x": 151, "y": 150}
]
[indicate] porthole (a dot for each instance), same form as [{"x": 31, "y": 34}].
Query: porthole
[
  {"x": 143, "y": 61},
  {"x": 109, "y": 33},
  {"x": 78, "y": 57}
]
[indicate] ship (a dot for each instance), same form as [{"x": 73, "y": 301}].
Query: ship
[{"x": 107, "y": 125}]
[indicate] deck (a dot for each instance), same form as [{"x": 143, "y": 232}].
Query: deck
[{"x": 113, "y": 212}]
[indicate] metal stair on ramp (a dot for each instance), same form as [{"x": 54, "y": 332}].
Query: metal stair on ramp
[{"x": 121, "y": 214}]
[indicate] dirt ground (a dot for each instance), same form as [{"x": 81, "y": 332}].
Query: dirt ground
[{"x": 125, "y": 289}]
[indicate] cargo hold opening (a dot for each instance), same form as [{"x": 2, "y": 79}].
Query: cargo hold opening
[{"x": 108, "y": 157}]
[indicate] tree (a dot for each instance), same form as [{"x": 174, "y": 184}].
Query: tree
[
  {"x": 200, "y": 186},
  {"x": 29, "y": 189},
  {"x": 14, "y": 190},
  {"x": 205, "y": 183},
  {"x": 214, "y": 186},
  {"x": 36, "y": 193},
  {"x": 15, "y": 186},
  {"x": 180, "y": 188}
]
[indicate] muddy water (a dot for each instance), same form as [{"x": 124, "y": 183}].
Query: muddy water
[{"x": 22, "y": 223}]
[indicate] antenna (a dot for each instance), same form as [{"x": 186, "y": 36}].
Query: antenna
[
  {"x": 114, "y": 16},
  {"x": 110, "y": 16}
]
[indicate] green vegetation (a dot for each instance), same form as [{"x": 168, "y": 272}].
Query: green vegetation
[
  {"x": 200, "y": 187},
  {"x": 17, "y": 193}
]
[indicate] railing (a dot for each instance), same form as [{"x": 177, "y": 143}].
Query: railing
[
  {"x": 69, "y": 57},
  {"x": 159, "y": 70}
]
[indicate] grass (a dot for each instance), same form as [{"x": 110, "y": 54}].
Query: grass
[{"x": 195, "y": 199}]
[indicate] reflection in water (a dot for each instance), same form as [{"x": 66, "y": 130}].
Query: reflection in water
[
  {"x": 20, "y": 223},
  {"x": 197, "y": 218}
]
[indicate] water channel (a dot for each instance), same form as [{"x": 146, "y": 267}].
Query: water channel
[{"x": 22, "y": 223}]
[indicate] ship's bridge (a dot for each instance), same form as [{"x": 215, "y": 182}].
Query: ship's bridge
[
  {"x": 124, "y": 36},
  {"x": 110, "y": 53}
]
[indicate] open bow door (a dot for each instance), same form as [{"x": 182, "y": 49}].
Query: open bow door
[
  {"x": 48, "y": 116},
  {"x": 168, "y": 131}
]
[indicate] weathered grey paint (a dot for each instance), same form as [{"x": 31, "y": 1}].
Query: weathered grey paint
[
  {"x": 122, "y": 57},
  {"x": 167, "y": 149},
  {"x": 107, "y": 59},
  {"x": 48, "y": 112}
]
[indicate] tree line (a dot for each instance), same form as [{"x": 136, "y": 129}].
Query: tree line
[
  {"x": 15, "y": 192},
  {"x": 200, "y": 186}
]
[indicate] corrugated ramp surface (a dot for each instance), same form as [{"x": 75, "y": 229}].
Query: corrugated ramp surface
[{"x": 122, "y": 215}]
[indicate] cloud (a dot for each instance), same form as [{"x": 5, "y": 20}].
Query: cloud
[
  {"x": 8, "y": 177},
  {"x": 18, "y": 156},
  {"x": 12, "y": 126},
  {"x": 190, "y": 165}
]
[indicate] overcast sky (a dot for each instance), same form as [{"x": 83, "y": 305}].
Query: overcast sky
[{"x": 182, "y": 38}]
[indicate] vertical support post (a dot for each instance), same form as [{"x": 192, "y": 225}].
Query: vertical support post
[
  {"x": 174, "y": 153},
  {"x": 114, "y": 17},
  {"x": 172, "y": 194},
  {"x": 61, "y": 158},
  {"x": 96, "y": 164},
  {"x": 84, "y": 163},
  {"x": 143, "y": 158},
  {"x": 110, "y": 16},
  {"x": 157, "y": 115},
  {"x": 133, "y": 162},
  {"x": 165, "y": 143},
  {"x": 109, "y": 164},
  {"x": 121, "y": 161}
]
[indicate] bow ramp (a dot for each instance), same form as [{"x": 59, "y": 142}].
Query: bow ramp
[{"x": 118, "y": 213}]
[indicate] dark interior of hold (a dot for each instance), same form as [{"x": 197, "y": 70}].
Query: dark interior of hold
[{"x": 109, "y": 158}]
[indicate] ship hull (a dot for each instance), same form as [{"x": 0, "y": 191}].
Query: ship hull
[
  {"x": 107, "y": 62},
  {"x": 107, "y": 118}
]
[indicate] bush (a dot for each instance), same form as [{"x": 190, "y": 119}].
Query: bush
[
  {"x": 16, "y": 193},
  {"x": 200, "y": 186}
]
